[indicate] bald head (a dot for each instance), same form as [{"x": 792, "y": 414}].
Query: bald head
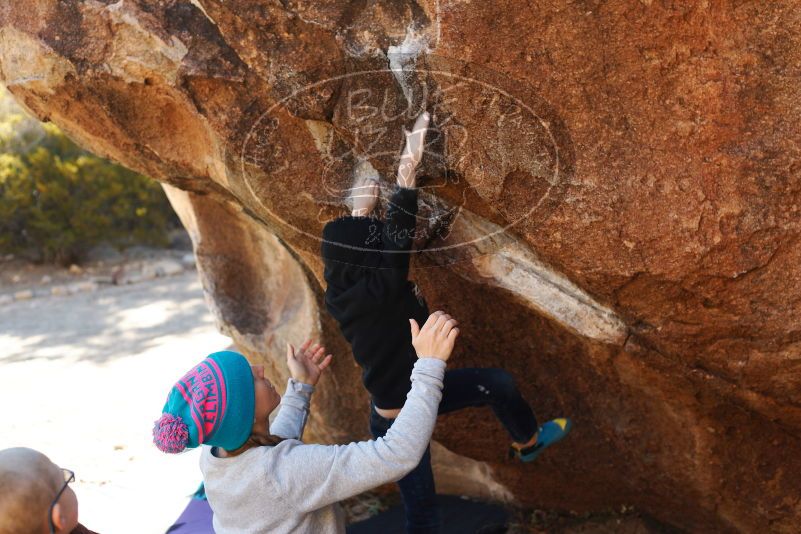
[{"x": 28, "y": 483}]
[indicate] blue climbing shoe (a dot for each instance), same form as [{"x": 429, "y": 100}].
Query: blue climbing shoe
[{"x": 549, "y": 433}]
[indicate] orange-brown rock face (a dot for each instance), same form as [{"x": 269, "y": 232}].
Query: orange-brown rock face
[{"x": 611, "y": 207}]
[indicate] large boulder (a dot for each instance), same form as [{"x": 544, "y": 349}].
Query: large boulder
[{"x": 611, "y": 208}]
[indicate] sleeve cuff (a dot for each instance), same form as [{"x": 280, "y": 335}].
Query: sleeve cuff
[
  {"x": 409, "y": 192},
  {"x": 430, "y": 366},
  {"x": 299, "y": 387},
  {"x": 405, "y": 198}
]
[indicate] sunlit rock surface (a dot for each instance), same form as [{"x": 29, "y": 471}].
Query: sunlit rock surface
[{"x": 610, "y": 207}]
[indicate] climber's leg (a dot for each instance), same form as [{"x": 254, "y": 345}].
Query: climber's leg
[
  {"x": 417, "y": 487},
  {"x": 496, "y": 388}
]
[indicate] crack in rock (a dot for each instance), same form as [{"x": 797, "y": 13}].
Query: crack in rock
[
  {"x": 403, "y": 59},
  {"x": 501, "y": 260}
]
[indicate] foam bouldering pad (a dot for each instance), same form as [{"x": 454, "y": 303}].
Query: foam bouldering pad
[
  {"x": 459, "y": 516},
  {"x": 195, "y": 519}
]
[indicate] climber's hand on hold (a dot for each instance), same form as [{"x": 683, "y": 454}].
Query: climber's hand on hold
[
  {"x": 364, "y": 197},
  {"x": 413, "y": 151},
  {"x": 435, "y": 339}
]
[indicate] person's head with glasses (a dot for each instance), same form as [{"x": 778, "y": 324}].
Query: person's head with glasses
[{"x": 35, "y": 496}]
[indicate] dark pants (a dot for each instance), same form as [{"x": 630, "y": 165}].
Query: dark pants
[{"x": 463, "y": 388}]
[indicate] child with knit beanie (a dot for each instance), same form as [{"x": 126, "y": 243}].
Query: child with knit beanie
[
  {"x": 259, "y": 476},
  {"x": 370, "y": 296}
]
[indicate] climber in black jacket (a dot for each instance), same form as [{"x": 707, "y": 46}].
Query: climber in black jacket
[{"x": 371, "y": 297}]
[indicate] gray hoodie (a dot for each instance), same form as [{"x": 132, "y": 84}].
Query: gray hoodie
[{"x": 294, "y": 487}]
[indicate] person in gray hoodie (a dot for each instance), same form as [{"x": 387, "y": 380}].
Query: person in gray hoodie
[{"x": 259, "y": 476}]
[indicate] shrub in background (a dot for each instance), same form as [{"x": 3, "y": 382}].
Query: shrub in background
[{"x": 58, "y": 201}]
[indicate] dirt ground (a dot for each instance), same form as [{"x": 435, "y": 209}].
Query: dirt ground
[
  {"x": 111, "y": 267},
  {"x": 83, "y": 377}
]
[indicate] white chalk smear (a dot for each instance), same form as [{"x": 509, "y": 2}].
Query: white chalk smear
[{"x": 403, "y": 58}]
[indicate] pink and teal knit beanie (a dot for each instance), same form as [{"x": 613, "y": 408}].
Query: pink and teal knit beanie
[{"x": 212, "y": 404}]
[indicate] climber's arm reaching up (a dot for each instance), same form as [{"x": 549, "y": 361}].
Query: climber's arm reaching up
[{"x": 399, "y": 227}]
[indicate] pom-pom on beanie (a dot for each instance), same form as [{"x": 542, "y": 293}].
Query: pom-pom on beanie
[{"x": 212, "y": 404}]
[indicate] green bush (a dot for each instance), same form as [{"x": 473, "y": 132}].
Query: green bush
[{"x": 58, "y": 201}]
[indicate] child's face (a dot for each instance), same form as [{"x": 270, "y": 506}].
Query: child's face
[{"x": 267, "y": 398}]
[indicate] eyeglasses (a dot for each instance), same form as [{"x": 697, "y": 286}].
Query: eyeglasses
[{"x": 69, "y": 476}]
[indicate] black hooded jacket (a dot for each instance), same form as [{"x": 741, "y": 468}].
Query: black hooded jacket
[{"x": 370, "y": 296}]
